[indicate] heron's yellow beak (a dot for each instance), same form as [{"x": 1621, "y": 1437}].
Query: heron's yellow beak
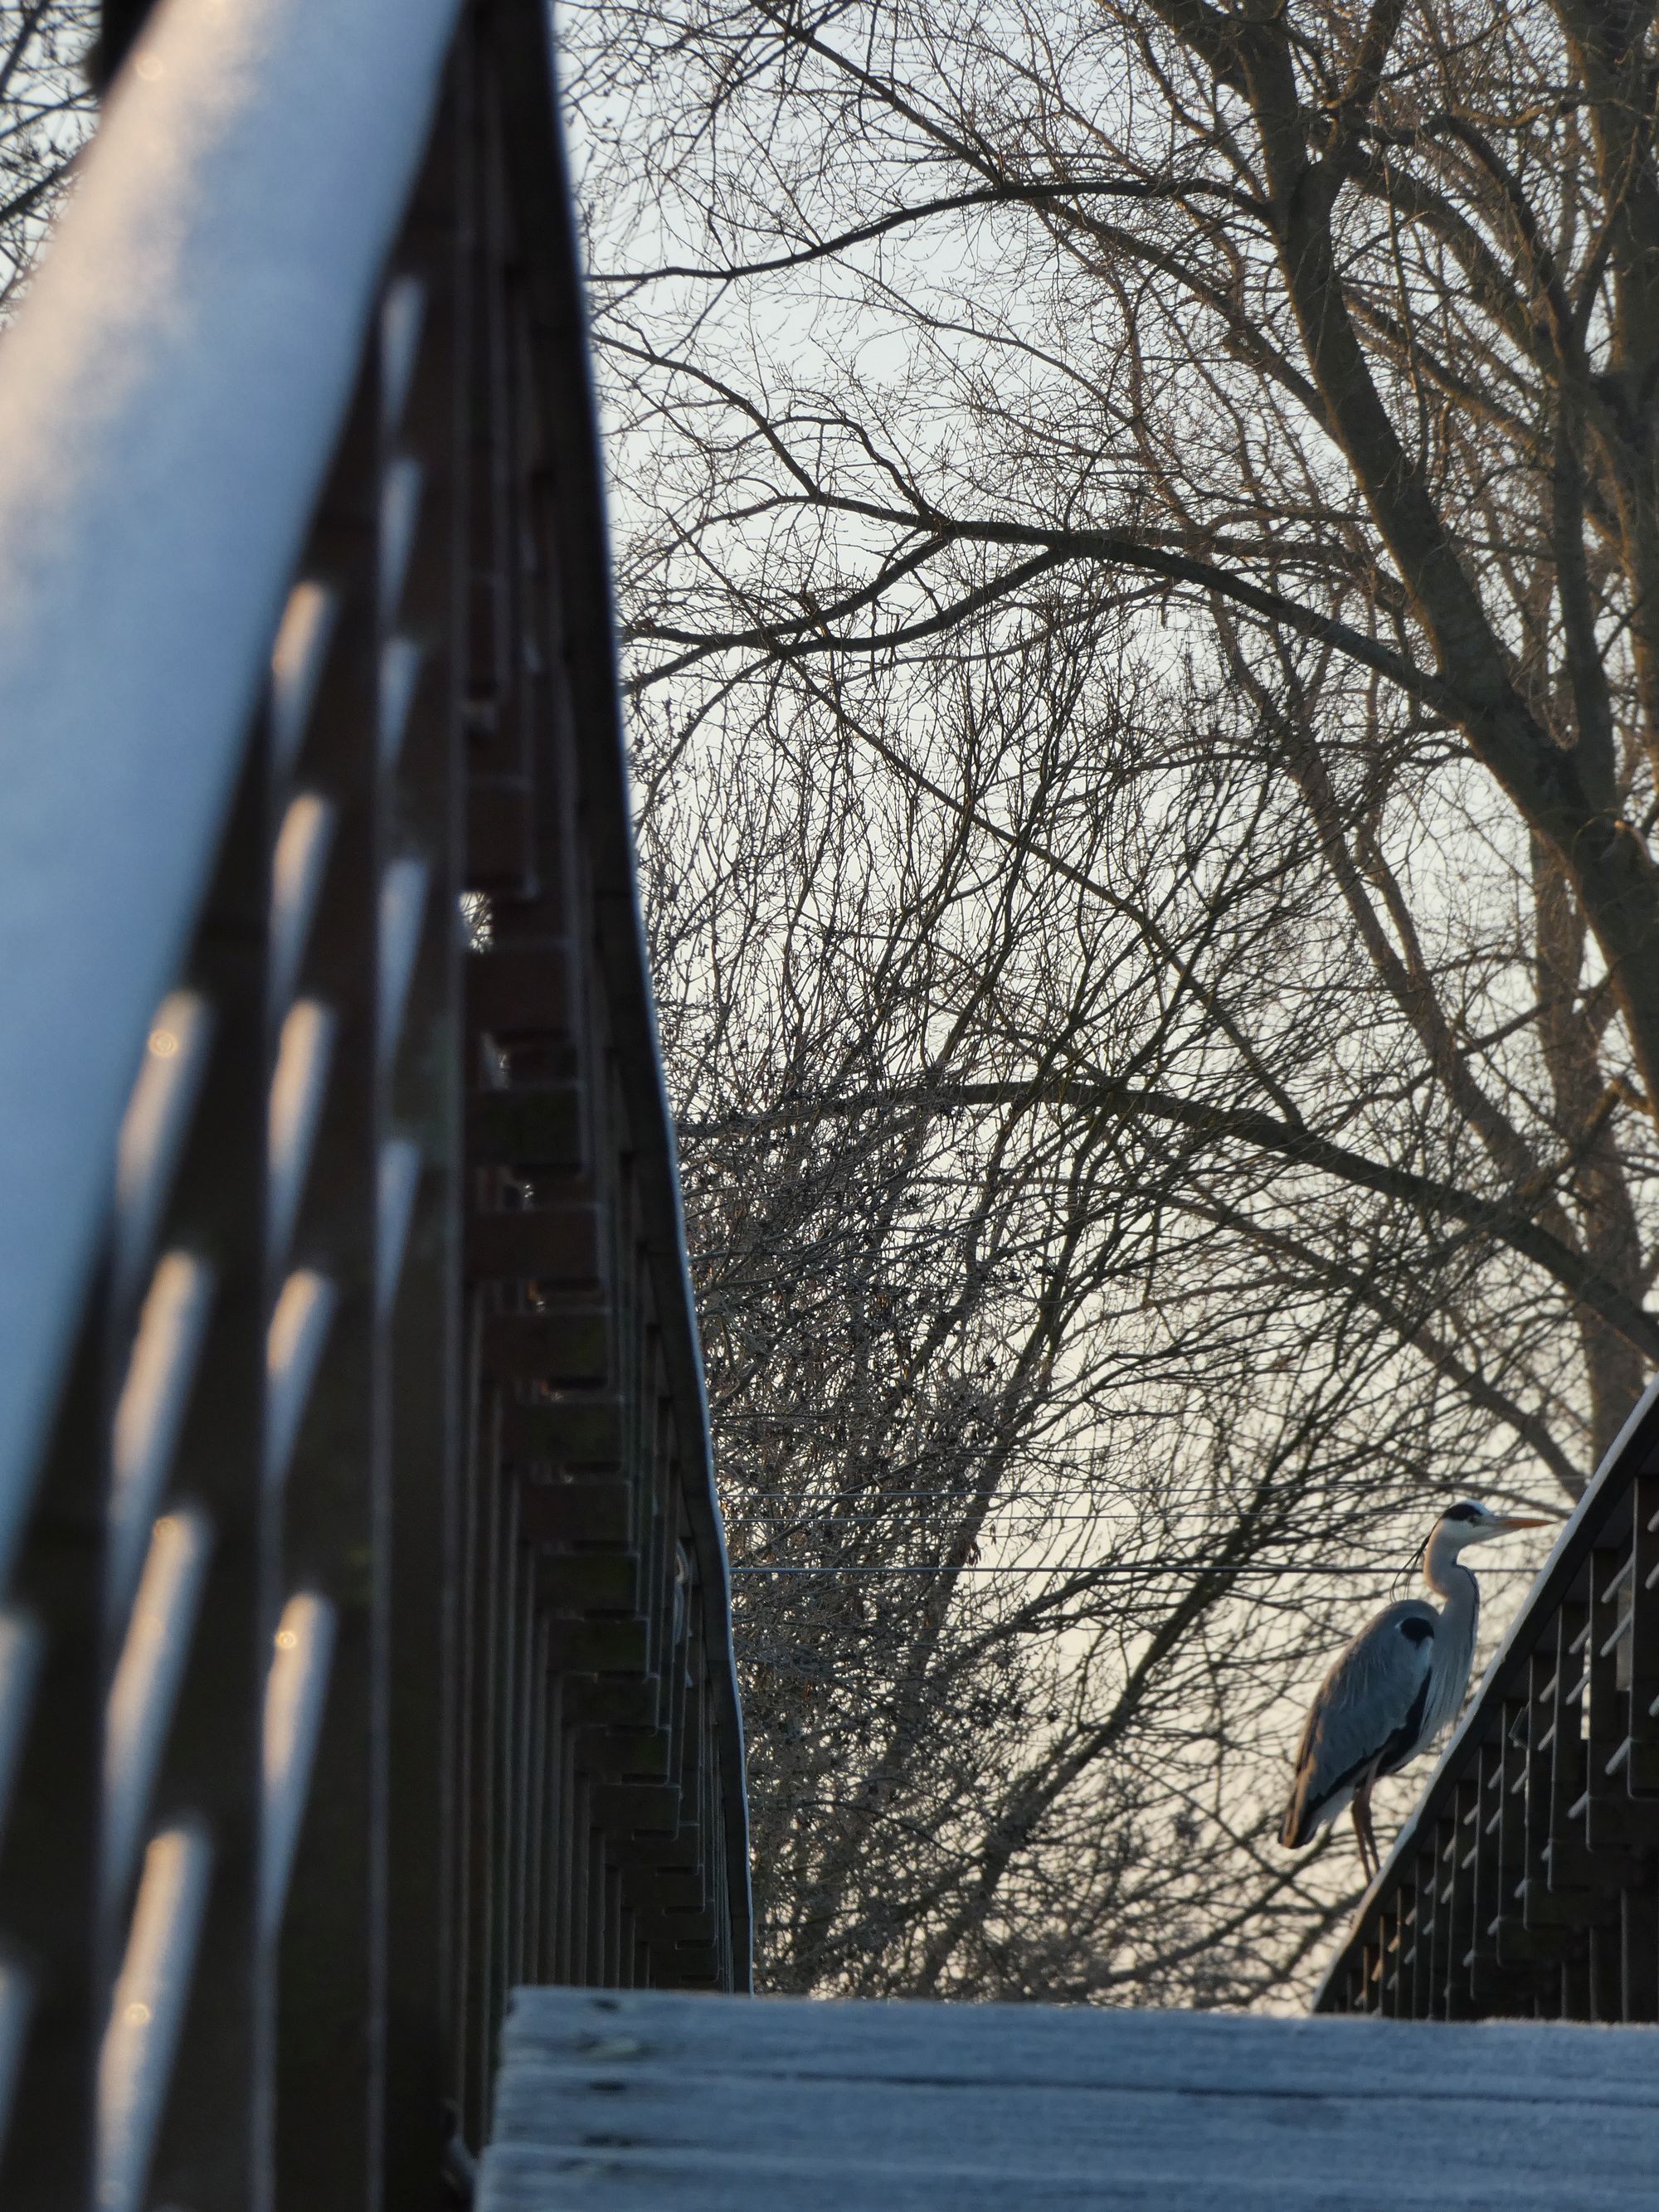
[{"x": 1530, "y": 1521}]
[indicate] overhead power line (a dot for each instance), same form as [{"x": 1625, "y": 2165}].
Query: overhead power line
[{"x": 1150, "y": 1567}]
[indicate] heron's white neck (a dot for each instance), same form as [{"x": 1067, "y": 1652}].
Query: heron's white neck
[
  {"x": 1444, "y": 1572},
  {"x": 1454, "y": 1635}
]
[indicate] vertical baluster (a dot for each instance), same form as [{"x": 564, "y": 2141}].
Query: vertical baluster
[
  {"x": 1480, "y": 1846},
  {"x": 1538, "y": 1790},
  {"x": 542, "y": 1870},
  {"x": 1642, "y": 1661},
  {"x": 1394, "y": 1938},
  {"x": 552, "y": 1824},
  {"x": 469, "y": 1798},
  {"x": 523, "y": 1645},
  {"x": 1371, "y": 1967},
  {"x": 1567, "y": 1847},
  {"x": 332, "y": 2053},
  {"x": 1439, "y": 1947},
  {"x": 1510, "y": 1956},
  {"x": 1544, "y": 1942},
  {"x": 1604, "y": 1804},
  {"x": 495, "y": 1618},
  {"x": 212, "y": 2152},
  {"x": 1460, "y": 1995},
  {"x": 1424, "y": 1884}
]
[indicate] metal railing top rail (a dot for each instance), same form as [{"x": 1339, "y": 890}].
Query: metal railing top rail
[
  {"x": 559, "y": 323},
  {"x": 170, "y": 396},
  {"x": 1590, "y": 1523}
]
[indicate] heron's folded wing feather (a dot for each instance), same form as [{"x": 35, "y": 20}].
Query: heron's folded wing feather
[{"x": 1367, "y": 1698}]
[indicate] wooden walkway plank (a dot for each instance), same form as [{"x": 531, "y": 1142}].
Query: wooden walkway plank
[{"x": 621, "y": 2101}]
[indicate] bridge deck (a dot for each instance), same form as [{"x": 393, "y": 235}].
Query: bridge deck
[{"x": 615, "y": 2101}]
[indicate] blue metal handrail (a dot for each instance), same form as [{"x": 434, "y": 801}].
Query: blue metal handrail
[{"x": 170, "y": 397}]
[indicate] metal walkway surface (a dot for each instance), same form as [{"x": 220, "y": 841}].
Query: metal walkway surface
[{"x": 615, "y": 2101}]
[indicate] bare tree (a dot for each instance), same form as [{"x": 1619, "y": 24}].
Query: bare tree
[
  {"x": 45, "y": 109},
  {"x": 1139, "y": 528}
]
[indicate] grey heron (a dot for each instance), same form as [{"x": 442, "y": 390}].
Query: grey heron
[{"x": 1398, "y": 1684}]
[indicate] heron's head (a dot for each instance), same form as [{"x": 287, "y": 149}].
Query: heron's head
[{"x": 1470, "y": 1524}]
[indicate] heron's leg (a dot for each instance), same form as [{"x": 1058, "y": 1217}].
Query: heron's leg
[
  {"x": 1364, "y": 1830},
  {"x": 1370, "y": 1859}
]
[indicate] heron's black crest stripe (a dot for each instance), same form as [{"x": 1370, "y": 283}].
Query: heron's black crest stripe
[
  {"x": 1416, "y": 1631},
  {"x": 1462, "y": 1513}
]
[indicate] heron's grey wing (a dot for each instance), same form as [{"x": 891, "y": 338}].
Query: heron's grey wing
[{"x": 1365, "y": 1711}]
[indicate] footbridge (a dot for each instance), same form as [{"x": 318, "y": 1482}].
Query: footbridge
[{"x": 372, "y": 1810}]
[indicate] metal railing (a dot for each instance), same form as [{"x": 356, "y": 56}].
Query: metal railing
[
  {"x": 1526, "y": 1882},
  {"x": 365, "y": 1642}
]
